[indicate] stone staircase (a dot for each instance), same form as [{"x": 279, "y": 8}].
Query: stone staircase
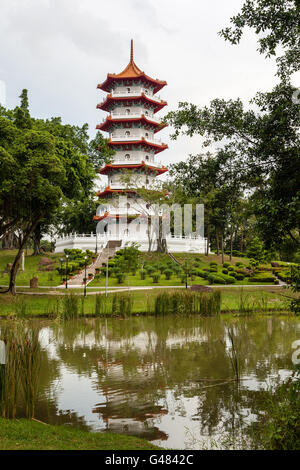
[{"x": 109, "y": 251}]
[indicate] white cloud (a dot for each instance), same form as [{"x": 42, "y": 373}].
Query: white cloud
[{"x": 61, "y": 49}]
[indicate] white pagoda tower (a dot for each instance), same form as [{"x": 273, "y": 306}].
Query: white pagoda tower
[{"x": 132, "y": 103}]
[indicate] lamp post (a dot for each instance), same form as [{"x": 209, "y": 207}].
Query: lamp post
[
  {"x": 61, "y": 271},
  {"x": 67, "y": 256},
  {"x": 106, "y": 277},
  {"x": 85, "y": 258},
  {"x": 2, "y": 368},
  {"x": 96, "y": 251}
]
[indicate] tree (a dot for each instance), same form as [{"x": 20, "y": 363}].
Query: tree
[
  {"x": 277, "y": 22},
  {"x": 263, "y": 149},
  {"x": 44, "y": 164}
]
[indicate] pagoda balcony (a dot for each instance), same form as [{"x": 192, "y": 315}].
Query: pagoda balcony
[
  {"x": 120, "y": 115},
  {"x": 122, "y": 161},
  {"x": 135, "y": 137},
  {"x": 136, "y": 92}
]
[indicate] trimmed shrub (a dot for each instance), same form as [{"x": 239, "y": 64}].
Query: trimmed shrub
[
  {"x": 213, "y": 269},
  {"x": 213, "y": 279},
  {"x": 203, "y": 274},
  {"x": 225, "y": 271},
  {"x": 168, "y": 274},
  {"x": 262, "y": 277},
  {"x": 230, "y": 268},
  {"x": 226, "y": 264},
  {"x": 155, "y": 277},
  {"x": 142, "y": 274}
]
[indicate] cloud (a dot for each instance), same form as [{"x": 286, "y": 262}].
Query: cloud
[{"x": 61, "y": 49}]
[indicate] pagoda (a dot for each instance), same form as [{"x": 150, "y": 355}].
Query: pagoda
[
  {"x": 123, "y": 216},
  {"x": 132, "y": 123}
]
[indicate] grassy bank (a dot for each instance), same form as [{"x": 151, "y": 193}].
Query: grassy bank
[
  {"x": 30, "y": 435},
  {"x": 235, "y": 299}
]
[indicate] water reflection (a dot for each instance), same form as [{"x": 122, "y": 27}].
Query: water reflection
[{"x": 164, "y": 379}]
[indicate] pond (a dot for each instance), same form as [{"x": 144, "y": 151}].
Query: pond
[{"x": 166, "y": 379}]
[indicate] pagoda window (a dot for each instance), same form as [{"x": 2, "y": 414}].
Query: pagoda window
[
  {"x": 128, "y": 205},
  {"x": 147, "y": 180},
  {"x": 146, "y": 113},
  {"x": 127, "y": 111},
  {"x": 127, "y": 133},
  {"x": 128, "y": 90},
  {"x": 127, "y": 156},
  {"x": 147, "y": 157}
]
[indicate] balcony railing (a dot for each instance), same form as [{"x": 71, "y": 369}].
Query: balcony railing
[
  {"x": 122, "y": 161},
  {"x": 134, "y": 93},
  {"x": 121, "y": 138},
  {"x": 122, "y": 115}
]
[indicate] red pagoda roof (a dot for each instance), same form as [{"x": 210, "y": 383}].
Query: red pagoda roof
[
  {"x": 157, "y": 147},
  {"x": 132, "y": 71},
  {"x": 104, "y": 126},
  {"x": 106, "y": 215},
  {"x": 111, "y": 166},
  {"x": 107, "y": 191}
]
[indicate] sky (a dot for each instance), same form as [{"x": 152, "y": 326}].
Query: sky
[{"x": 61, "y": 49}]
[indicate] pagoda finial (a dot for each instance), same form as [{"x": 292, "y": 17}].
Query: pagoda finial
[{"x": 131, "y": 51}]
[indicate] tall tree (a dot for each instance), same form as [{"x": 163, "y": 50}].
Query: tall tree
[{"x": 277, "y": 23}]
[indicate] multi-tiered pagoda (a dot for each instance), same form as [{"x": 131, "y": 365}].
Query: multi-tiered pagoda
[
  {"x": 132, "y": 104},
  {"x": 132, "y": 123}
]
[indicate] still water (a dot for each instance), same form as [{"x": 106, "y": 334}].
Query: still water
[{"x": 164, "y": 379}]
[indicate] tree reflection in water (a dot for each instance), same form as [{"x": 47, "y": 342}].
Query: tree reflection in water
[{"x": 151, "y": 372}]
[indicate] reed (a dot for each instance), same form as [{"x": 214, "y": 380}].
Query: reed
[
  {"x": 122, "y": 304},
  {"x": 234, "y": 355},
  {"x": 20, "y": 375},
  {"x": 200, "y": 303},
  {"x": 21, "y": 308},
  {"x": 70, "y": 307}
]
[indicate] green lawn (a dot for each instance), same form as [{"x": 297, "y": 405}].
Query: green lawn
[
  {"x": 31, "y": 435},
  {"x": 263, "y": 298},
  {"x": 52, "y": 279},
  {"x": 32, "y": 268}
]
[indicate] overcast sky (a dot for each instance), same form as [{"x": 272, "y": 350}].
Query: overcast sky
[{"x": 60, "y": 49}]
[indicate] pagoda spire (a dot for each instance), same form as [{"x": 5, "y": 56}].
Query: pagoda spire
[{"x": 131, "y": 51}]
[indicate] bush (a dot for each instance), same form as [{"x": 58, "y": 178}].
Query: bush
[
  {"x": 168, "y": 273},
  {"x": 203, "y": 274},
  {"x": 120, "y": 277},
  {"x": 239, "y": 277},
  {"x": 279, "y": 427},
  {"x": 213, "y": 279},
  {"x": 230, "y": 268},
  {"x": 226, "y": 264},
  {"x": 213, "y": 269},
  {"x": 225, "y": 271},
  {"x": 142, "y": 274},
  {"x": 156, "y": 277},
  {"x": 262, "y": 277},
  {"x": 213, "y": 263}
]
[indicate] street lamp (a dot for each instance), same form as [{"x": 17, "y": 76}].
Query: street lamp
[
  {"x": 67, "y": 256},
  {"x": 61, "y": 271},
  {"x": 96, "y": 241},
  {"x": 85, "y": 258}
]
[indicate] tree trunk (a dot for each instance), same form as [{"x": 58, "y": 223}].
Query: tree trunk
[
  {"x": 231, "y": 240},
  {"x": 217, "y": 243},
  {"x": 207, "y": 241},
  {"x": 13, "y": 273},
  {"x": 222, "y": 247},
  {"x": 9, "y": 241},
  {"x": 37, "y": 236},
  {"x": 161, "y": 242}
]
